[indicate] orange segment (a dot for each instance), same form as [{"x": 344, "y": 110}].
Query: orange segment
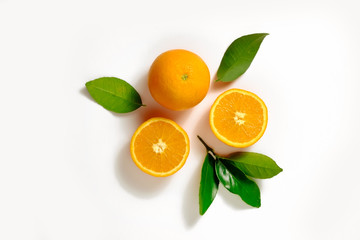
[
  {"x": 159, "y": 147},
  {"x": 238, "y": 118}
]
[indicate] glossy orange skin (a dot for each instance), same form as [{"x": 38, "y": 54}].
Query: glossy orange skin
[{"x": 178, "y": 79}]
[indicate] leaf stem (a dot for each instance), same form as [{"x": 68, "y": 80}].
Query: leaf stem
[
  {"x": 204, "y": 143},
  {"x": 212, "y": 154},
  {"x": 208, "y": 149}
]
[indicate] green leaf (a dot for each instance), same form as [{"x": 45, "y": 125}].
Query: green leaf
[
  {"x": 209, "y": 184},
  {"x": 114, "y": 94},
  {"x": 236, "y": 182},
  {"x": 238, "y": 56},
  {"x": 254, "y": 164}
]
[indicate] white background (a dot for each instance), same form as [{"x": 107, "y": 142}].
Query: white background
[{"x": 65, "y": 167}]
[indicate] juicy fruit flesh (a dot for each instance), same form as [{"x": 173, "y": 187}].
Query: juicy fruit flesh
[
  {"x": 160, "y": 148},
  {"x": 239, "y": 118}
]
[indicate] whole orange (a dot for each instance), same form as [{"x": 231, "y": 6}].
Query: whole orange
[{"x": 178, "y": 79}]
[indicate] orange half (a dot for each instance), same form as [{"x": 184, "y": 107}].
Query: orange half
[
  {"x": 160, "y": 147},
  {"x": 238, "y": 118}
]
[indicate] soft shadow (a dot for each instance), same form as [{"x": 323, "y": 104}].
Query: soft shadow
[
  {"x": 135, "y": 181},
  {"x": 143, "y": 89},
  {"x": 191, "y": 200},
  {"x": 220, "y": 86},
  {"x": 203, "y": 130},
  {"x": 235, "y": 201},
  {"x": 83, "y": 91},
  {"x": 154, "y": 109},
  {"x": 178, "y": 116},
  {"x": 203, "y": 127},
  {"x": 130, "y": 177}
]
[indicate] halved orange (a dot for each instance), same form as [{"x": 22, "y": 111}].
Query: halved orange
[
  {"x": 160, "y": 147},
  {"x": 238, "y": 118}
]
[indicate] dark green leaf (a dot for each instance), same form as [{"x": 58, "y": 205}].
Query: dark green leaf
[
  {"x": 114, "y": 94},
  {"x": 254, "y": 164},
  {"x": 236, "y": 182},
  {"x": 208, "y": 185},
  {"x": 238, "y": 56}
]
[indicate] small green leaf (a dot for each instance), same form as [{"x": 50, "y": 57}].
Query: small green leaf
[
  {"x": 236, "y": 182},
  {"x": 114, "y": 94},
  {"x": 254, "y": 164},
  {"x": 209, "y": 184},
  {"x": 238, "y": 56}
]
